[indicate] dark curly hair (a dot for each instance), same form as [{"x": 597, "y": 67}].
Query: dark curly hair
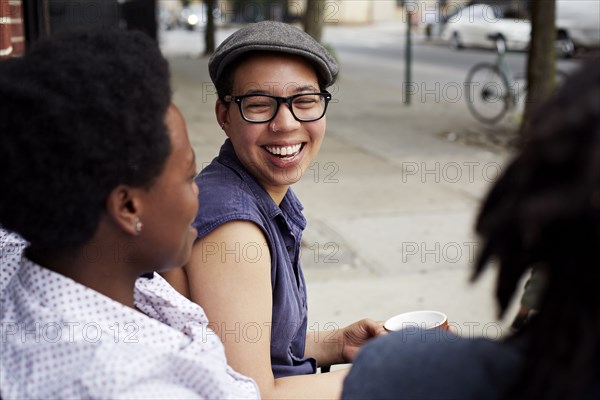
[
  {"x": 81, "y": 114},
  {"x": 545, "y": 211}
]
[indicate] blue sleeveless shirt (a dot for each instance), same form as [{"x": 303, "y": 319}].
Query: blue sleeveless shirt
[{"x": 229, "y": 193}]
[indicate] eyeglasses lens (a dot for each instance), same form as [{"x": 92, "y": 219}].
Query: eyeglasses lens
[{"x": 262, "y": 108}]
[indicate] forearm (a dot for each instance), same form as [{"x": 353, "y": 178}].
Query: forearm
[
  {"x": 314, "y": 386},
  {"x": 325, "y": 347}
]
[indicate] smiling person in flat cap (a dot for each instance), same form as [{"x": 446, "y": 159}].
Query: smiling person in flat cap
[{"x": 245, "y": 271}]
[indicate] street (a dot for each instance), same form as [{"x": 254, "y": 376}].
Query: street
[
  {"x": 392, "y": 198},
  {"x": 433, "y": 60}
]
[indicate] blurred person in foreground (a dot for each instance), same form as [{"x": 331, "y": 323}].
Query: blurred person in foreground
[
  {"x": 544, "y": 211},
  {"x": 97, "y": 175}
]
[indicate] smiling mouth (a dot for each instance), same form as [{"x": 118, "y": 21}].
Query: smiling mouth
[{"x": 285, "y": 152}]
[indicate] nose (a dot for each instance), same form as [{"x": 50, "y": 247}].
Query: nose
[{"x": 284, "y": 120}]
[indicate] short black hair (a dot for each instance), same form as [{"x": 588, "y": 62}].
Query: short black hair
[{"x": 81, "y": 114}]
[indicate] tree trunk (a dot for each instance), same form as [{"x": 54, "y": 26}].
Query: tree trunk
[
  {"x": 313, "y": 18},
  {"x": 209, "y": 33},
  {"x": 541, "y": 71}
]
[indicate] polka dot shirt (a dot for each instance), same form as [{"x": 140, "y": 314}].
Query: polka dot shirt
[{"x": 59, "y": 339}]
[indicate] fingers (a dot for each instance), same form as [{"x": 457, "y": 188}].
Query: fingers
[
  {"x": 363, "y": 330},
  {"x": 357, "y": 334},
  {"x": 373, "y": 328}
]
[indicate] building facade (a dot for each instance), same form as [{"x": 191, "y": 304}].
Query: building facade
[{"x": 12, "y": 36}]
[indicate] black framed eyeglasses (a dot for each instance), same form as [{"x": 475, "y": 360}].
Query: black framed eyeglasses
[{"x": 261, "y": 108}]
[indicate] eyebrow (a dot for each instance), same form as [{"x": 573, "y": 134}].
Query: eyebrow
[
  {"x": 299, "y": 89},
  {"x": 256, "y": 91},
  {"x": 307, "y": 88}
]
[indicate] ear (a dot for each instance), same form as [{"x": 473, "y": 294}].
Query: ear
[
  {"x": 123, "y": 205},
  {"x": 222, "y": 114}
]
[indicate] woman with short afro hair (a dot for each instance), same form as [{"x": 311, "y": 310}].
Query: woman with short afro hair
[
  {"x": 87, "y": 106},
  {"x": 97, "y": 191}
]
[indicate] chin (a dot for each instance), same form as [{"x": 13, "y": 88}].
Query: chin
[{"x": 285, "y": 181}]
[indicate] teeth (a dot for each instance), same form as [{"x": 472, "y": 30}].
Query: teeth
[{"x": 284, "y": 151}]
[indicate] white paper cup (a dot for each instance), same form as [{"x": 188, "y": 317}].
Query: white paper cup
[{"x": 417, "y": 319}]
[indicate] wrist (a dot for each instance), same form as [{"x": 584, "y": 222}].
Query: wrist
[
  {"x": 328, "y": 347},
  {"x": 338, "y": 350}
]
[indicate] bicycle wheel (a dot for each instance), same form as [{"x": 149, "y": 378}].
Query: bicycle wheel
[{"x": 487, "y": 92}]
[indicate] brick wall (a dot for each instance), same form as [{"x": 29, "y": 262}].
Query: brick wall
[{"x": 12, "y": 38}]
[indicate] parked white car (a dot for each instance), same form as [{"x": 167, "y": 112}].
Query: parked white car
[
  {"x": 473, "y": 26},
  {"x": 578, "y": 25}
]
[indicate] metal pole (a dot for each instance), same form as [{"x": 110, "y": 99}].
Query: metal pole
[{"x": 408, "y": 59}]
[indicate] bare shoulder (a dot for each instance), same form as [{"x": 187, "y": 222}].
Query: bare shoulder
[
  {"x": 238, "y": 242},
  {"x": 238, "y": 230}
]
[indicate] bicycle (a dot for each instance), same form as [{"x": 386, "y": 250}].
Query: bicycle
[{"x": 491, "y": 89}]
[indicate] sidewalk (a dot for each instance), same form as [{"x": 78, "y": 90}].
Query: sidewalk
[{"x": 390, "y": 203}]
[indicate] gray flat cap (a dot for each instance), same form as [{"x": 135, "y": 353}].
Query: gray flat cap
[{"x": 273, "y": 36}]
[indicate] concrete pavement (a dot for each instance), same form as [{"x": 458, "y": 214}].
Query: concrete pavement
[{"x": 390, "y": 201}]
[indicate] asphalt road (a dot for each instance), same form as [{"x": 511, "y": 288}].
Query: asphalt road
[{"x": 433, "y": 60}]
